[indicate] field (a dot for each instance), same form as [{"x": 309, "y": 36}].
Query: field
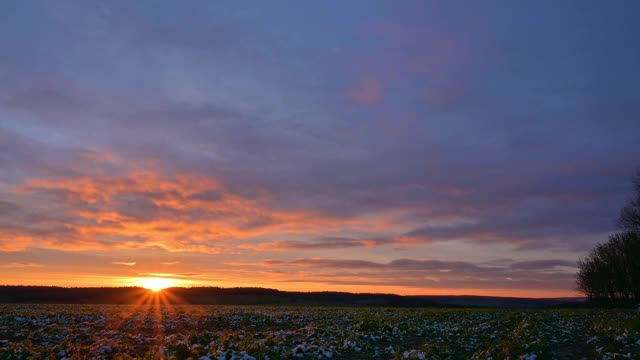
[{"x": 255, "y": 332}]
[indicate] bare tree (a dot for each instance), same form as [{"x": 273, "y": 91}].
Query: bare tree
[
  {"x": 629, "y": 219},
  {"x": 611, "y": 271}
]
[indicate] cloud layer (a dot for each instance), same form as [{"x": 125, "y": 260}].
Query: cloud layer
[{"x": 326, "y": 139}]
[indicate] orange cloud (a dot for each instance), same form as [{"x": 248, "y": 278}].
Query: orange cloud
[
  {"x": 123, "y": 263},
  {"x": 170, "y": 275},
  {"x": 12, "y": 241},
  {"x": 18, "y": 265},
  {"x": 150, "y": 209}
]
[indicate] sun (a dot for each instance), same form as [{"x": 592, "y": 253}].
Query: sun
[{"x": 156, "y": 284}]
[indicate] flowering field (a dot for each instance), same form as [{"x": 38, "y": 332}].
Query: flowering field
[{"x": 254, "y": 332}]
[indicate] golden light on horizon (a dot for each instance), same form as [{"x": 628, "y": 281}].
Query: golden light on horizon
[{"x": 156, "y": 284}]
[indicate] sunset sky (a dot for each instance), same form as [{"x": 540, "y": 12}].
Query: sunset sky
[{"x": 411, "y": 147}]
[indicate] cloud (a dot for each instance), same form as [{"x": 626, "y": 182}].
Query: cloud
[
  {"x": 542, "y": 264},
  {"x": 142, "y": 208},
  {"x": 398, "y": 264},
  {"x": 124, "y": 263},
  {"x": 317, "y": 244},
  {"x": 209, "y": 195},
  {"x": 527, "y": 226},
  {"x": 20, "y": 265},
  {"x": 100, "y": 196},
  {"x": 139, "y": 208},
  {"x": 416, "y": 265},
  {"x": 369, "y": 91},
  {"x": 420, "y": 273},
  {"x": 231, "y": 136},
  {"x": 322, "y": 263},
  {"x": 471, "y": 195},
  {"x": 170, "y": 275}
]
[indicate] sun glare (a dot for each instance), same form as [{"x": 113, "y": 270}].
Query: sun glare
[{"x": 156, "y": 284}]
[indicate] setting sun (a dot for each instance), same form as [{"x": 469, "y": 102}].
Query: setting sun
[{"x": 156, "y": 284}]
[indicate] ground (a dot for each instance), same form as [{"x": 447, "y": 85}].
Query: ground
[{"x": 254, "y": 332}]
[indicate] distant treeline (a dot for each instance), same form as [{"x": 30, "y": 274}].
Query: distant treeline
[{"x": 258, "y": 296}]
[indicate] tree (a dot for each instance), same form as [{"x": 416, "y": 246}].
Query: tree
[
  {"x": 629, "y": 219},
  {"x": 611, "y": 271}
]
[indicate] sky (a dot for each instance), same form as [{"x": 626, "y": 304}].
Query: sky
[{"x": 410, "y": 147}]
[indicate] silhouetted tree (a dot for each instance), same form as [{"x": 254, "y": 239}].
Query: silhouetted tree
[
  {"x": 611, "y": 271},
  {"x": 630, "y": 215}
]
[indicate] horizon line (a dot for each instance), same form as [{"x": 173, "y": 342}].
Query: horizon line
[{"x": 289, "y": 291}]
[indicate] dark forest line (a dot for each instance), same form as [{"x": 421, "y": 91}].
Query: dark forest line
[{"x": 261, "y": 296}]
